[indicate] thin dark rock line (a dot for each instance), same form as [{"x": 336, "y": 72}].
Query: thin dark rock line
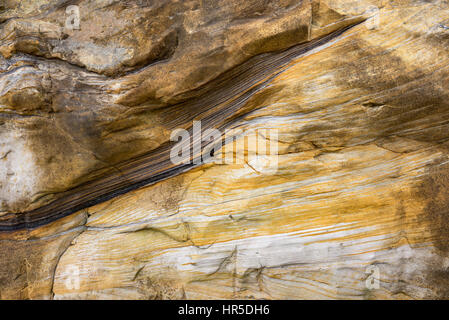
[{"x": 220, "y": 109}]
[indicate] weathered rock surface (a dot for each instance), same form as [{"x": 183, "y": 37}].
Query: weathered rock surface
[{"x": 91, "y": 206}]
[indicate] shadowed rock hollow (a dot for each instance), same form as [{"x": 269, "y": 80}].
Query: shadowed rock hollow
[{"x": 92, "y": 207}]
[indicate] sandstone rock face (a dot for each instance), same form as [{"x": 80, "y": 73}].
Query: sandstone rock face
[{"x": 353, "y": 204}]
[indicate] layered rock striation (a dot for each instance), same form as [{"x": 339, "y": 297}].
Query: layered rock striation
[{"x": 353, "y": 205}]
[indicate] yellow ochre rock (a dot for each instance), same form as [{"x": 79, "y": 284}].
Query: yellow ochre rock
[{"x": 352, "y": 97}]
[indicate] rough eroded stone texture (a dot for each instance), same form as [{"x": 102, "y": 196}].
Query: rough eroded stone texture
[{"x": 362, "y": 176}]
